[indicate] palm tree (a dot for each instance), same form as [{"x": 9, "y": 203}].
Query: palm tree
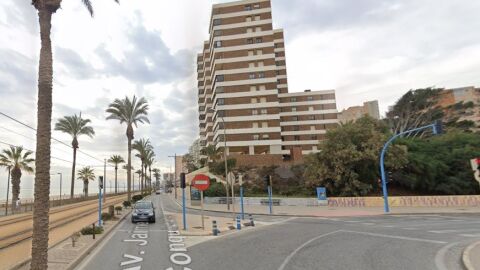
[
  {"x": 211, "y": 152},
  {"x": 86, "y": 174},
  {"x": 140, "y": 174},
  {"x": 130, "y": 112},
  {"x": 45, "y": 8},
  {"x": 18, "y": 160},
  {"x": 142, "y": 146},
  {"x": 125, "y": 167},
  {"x": 74, "y": 126},
  {"x": 150, "y": 159},
  {"x": 115, "y": 160},
  {"x": 157, "y": 175}
]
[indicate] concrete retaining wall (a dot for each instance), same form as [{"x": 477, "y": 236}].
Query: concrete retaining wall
[{"x": 401, "y": 201}]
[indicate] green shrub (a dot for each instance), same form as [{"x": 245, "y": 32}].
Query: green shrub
[
  {"x": 136, "y": 198},
  {"x": 89, "y": 230},
  {"x": 215, "y": 190},
  {"x": 127, "y": 204},
  {"x": 106, "y": 216}
]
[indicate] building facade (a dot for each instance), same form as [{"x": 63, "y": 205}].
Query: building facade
[
  {"x": 449, "y": 98},
  {"x": 369, "y": 108},
  {"x": 243, "y": 99}
]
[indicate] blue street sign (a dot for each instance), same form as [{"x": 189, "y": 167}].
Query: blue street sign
[{"x": 321, "y": 193}]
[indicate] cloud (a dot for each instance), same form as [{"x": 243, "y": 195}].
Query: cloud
[
  {"x": 146, "y": 59},
  {"x": 73, "y": 63}
]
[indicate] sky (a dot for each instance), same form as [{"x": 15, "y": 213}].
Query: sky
[{"x": 364, "y": 49}]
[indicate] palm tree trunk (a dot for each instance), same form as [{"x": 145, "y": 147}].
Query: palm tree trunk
[
  {"x": 129, "y": 169},
  {"x": 116, "y": 170},
  {"x": 141, "y": 180},
  {"x": 85, "y": 188},
  {"x": 16, "y": 175},
  {"x": 72, "y": 183},
  {"x": 42, "y": 156}
]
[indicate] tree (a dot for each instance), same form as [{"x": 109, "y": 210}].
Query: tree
[
  {"x": 86, "y": 174},
  {"x": 142, "y": 147},
  {"x": 130, "y": 112},
  {"x": 116, "y": 160},
  {"x": 193, "y": 160},
  {"x": 157, "y": 175},
  {"x": 212, "y": 153},
  {"x": 440, "y": 165},
  {"x": 347, "y": 164},
  {"x": 150, "y": 159},
  {"x": 17, "y": 160},
  {"x": 45, "y": 8},
  {"x": 74, "y": 126}
]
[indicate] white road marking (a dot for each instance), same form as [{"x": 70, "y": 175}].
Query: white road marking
[
  {"x": 289, "y": 257},
  {"x": 397, "y": 237},
  {"x": 454, "y": 231},
  {"x": 440, "y": 256},
  {"x": 409, "y": 229},
  {"x": 470, "y": 235},
  {"x": 368, "y": 224}
]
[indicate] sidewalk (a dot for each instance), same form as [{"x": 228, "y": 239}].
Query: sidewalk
[
  {"x": 471, "y": 256},
  {"x": 326, "y": 211}
]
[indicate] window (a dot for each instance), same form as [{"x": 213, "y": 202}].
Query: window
[
  {"x": 220, "y": 90},
  {"x": 254, "y": 112},
  {"x": 313, "y": 137},
  {"x": 256, "y": 6},
  {"x": 263, "y": 99},
  {"x": 253, "y": 100},
  {"x": 296, "y": 128},
  {"x": 251, "y": 53},
  {"x": 259, "y": 52},
  {"x": 219, "y": 78},
  {"x": 248, "y": 19},
  {"x": 248, "y": 7},
  {"x": 217, "y": 22},
  {"x": 220, "y": 125},
  {"x": 250, "y": 41},
  {"x": 309, "y": 98},
  {"x": 257, "y": 18},
  {"x": 263, "y": 111},
  {"x": 296, "y": 138},
  {"x": 220, "y": 101},
  {"x": 256, "y": 137},
  {"x": 277, "y": 54},
  {"x": 294, "y": 118},
  {"x": 265, "y": 136},
  {"x": 251, "y": 65},
  {"x": 312, "y": 127},
  {"x": 294, "y": 109},
  {"x": 217, "y": 33},
  {"x": 261, "y": 75},
  {"x": 278, "y": 63},
  {"x": 283, "y": 139},
  {"x": 310, "y": 108},
  {"x": 253, "y": 88},
  {"x": 264, "y": 124},
  {"x": 311, "y": 117},
  {"x": 277, "y": 72},
  {"x": 251, "y": 76},
  {"x": 260, "y": 64},
  {"x": 221, "y": 113},
  {"x": 255, "y": 125},
  {"x": 218, "y": 44},
  {"x": 249, "y": 30},
  {"x": 262, "y": 88},
  {"x": 258, "y": 40},
  {"x": 293, "y": 99},
  {"x": 258, "y": 29}
]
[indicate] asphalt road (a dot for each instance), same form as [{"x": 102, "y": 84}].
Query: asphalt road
[{"x": 380, "y": 242}]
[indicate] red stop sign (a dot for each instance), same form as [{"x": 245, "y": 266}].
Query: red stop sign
[{"x": 201, "y": 182}]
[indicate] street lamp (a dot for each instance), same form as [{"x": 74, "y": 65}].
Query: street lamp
[{"x": 224, "y": 153}]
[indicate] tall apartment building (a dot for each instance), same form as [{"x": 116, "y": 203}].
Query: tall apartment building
[{"x": 243, "y": 88}]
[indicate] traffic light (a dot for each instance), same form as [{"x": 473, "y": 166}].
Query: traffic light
[
  {"x": 438, "y": 127},
  {"x": 100, "y": 181},
  {"x": 390, "y": 176},
  {"x": 183, "y": 183},
  {"x": 266, "y": 179}
]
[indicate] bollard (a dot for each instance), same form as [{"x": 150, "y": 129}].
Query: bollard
[
  {"x": 239, "y": 225},
  {"x": 251, "y": 220},
  {"x": 93, "y": 224},
  {"x": 214, "y": 227}
]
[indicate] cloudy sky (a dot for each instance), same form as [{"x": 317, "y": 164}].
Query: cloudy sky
[{"x": 365, "y": 49}]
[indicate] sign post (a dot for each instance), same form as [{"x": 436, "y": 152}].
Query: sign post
[
  {"x": 240, "y": 181},
  {"x": 183, "y": 185},
  {"x": 201, "y": 182},
  {"x": 100, "y": 187}
]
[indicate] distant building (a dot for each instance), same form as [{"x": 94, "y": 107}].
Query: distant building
[
  {"x": 369, "y": 108},
  {"x": 451, "y": 97}
]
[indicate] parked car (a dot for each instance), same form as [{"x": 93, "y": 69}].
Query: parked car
[
  {"x": 158, "y": 191},
  {"x": 143, "y": 211}
]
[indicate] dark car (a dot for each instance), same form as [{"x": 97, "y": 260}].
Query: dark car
[{"x": 143, "y": 211}]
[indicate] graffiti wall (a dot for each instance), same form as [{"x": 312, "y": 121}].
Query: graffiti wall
[{"x": 407, "y": 201}]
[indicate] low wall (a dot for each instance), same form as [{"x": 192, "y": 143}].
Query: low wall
[{"x": 401, "y": 201}]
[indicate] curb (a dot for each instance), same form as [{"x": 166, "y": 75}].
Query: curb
[
  {"x": 466, "y": 256},
  {"x": 89, "y": 250}
]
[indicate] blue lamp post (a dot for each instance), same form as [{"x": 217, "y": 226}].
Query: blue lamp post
[{"x": 436, "y": 129}]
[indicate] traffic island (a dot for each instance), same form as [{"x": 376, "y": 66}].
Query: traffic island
[{"x": 471, "y": 256}]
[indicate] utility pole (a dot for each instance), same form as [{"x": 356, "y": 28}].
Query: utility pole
[
  {"x": 175, "y": 174},
  {"x": 60, "y": 188}
]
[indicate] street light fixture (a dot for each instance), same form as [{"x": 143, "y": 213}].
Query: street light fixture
[{"x": 224, "y": 154}]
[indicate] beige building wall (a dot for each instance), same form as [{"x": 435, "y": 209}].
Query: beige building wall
[{"x": 369, "y": 108}]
